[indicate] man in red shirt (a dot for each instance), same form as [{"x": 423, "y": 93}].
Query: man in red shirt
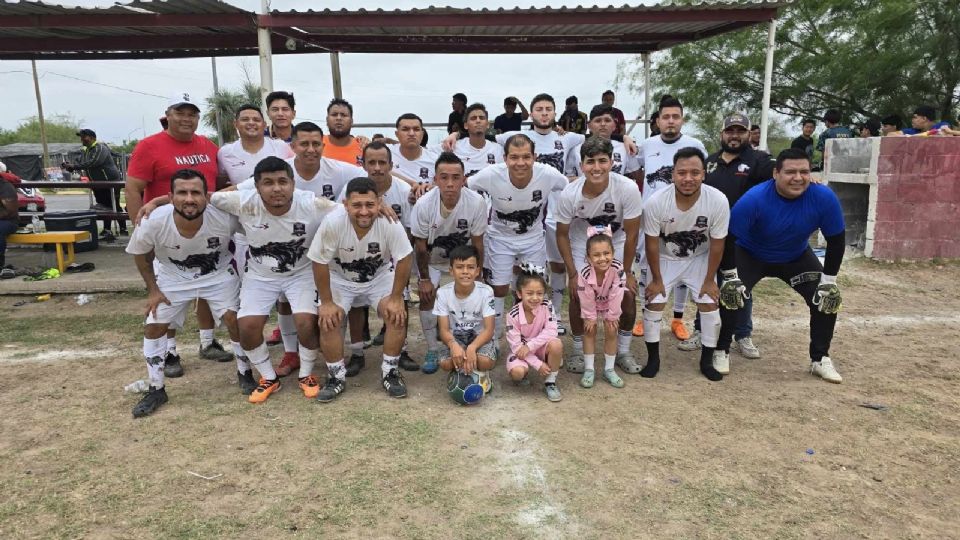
[{"x": 607, "y": 98}]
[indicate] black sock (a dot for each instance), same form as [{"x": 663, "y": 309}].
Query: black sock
[
  {"x": 706, "y": 365},
  {"x": 677, "y": 314},
  {"x": 653, "y": 361}
]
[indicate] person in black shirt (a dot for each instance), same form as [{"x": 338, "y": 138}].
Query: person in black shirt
[
  {"x": 8, "y": 223},
  {"x": 97, "y": 161},
  {"x": 510, "y": 120},
  {"x": 455, "y": 120},
  {"x": 891, "y": 123},
  {"x": 805, "y": 140}
]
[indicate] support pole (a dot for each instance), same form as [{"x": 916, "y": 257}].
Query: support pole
[
  {"x": 335, "y": 71},
  {"x": 646, "y": 93},
  {"x": 216, "y": 90},
  {"x": 767, "y": 83},
  {"x": 266, "y": 55},
  {"x": 43, "y": 125}
]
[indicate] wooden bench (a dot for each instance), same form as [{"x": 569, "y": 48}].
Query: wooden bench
[{"x": 58, "y": 238}]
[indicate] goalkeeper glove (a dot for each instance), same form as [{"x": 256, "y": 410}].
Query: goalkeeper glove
[
  {"x": 827, "y": 298},
  {"x": 732, "y": 290}
]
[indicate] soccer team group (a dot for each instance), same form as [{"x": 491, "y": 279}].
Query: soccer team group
[{"x": 526, "y": 214}]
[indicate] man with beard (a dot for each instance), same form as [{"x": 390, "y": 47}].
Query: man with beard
[
  {"x": 476, "y": 151},
  {"x": 189, "y": 241},
  {"x": 339, "y": 144},
  {"x": 282, "y": 110},
  {"x": 236, "y": 160}
]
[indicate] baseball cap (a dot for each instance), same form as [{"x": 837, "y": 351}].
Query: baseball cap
[
  {"x": 180, "y": 99},
  {"x": 736, "y": 119},
  {"x": 86, "y": 131}
]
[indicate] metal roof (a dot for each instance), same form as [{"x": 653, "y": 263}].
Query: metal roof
[{"x": 180, "y": 28}]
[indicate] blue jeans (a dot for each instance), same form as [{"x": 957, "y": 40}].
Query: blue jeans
[{"x": 7, "y": 227}]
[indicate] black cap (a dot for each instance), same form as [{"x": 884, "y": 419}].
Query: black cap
[{"x": 88, "y": 132}]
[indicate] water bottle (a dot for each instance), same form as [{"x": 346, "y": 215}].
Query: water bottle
[{"x": 137, "y": 387}]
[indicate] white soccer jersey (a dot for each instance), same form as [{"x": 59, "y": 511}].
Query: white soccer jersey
[
  {"x": 397, "y": 196},
  {"x": 468, "y": 218},
  {"x": 656, "y": 158},
  {"x": 330, "y": 180},
  {"x": 684, "y": 235},
  {"x": 238, "y": 164},
  {"x": 623, "y": 162},
  {"x": 419, "y": 170},
  {"x": 277, "y": 244},
  {"x": 551, "y": 148},
  {"x": 621, "y": 200},
  {"x": 359, "y": 260},
  {"x": 465, "y": 315},
  {"x": 186, "y": 263},
  {"x": 477, "y": 159},
  {"x": 517, "y": 213}
]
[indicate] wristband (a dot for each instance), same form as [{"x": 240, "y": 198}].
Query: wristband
[{"x": 828, "y": 280}]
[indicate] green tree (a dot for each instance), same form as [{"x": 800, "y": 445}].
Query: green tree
[
  {"x": 61, "y": 128},
  {"x": 866, "y": 58},
  {"x": 226, "y": 102}
]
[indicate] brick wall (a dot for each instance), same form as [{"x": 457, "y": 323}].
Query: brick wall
[{"x": 918, "y": 198}]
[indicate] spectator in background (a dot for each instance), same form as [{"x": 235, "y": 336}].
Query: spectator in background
[
  {"x": 890, "y": 124},
  {"x": 608, "y": 98},
  {"x": 755, "y": 137},
  {"x": 510, "y": 120},
  {"x": 377, "y": 137},
  {"x": 281, "y": 110},
  {"x": 805, "y": 140},
  {"x": 338, "y": 143},
  {"x": 654, "y": 128},
  {"x": 834, "y": 130},
  {"x": 924, "y": 119},
  {"x": 97, "y": 161},
  {"x": 8, "y": 223},
  {"x": 455, "y": 120},
  {"x": 572, "y": 119},
  {"x": 870, "y": 128}
]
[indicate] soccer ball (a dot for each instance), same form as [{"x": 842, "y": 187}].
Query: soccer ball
[{"x": 464, "y": 389}]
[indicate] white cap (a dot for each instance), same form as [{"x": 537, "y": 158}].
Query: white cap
[{"x": 179, "y": 99}]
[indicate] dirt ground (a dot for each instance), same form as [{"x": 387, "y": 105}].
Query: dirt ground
[{"x": 769, "y": 452}]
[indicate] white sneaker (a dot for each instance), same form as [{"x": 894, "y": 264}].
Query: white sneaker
[
  {"x": 721, "y": 362},
  {"x": 825, "y": 370},
  {"x": 691, "y": 344},
  {"x": 747, "y": 348}
]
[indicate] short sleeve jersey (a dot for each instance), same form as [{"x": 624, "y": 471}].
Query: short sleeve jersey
[
  {"x": 186, "y": 263},
  {"x": 777, "y": 230},
  {"x": 656, "y": 158},
  {"x": 621, "y": 200},
  {"x": 157, "y": 157},
  {"x": 278, "y": 244},
  {"x": 419, "y": 170},
  {"x": 467, "y": 219},
  {"x": 238, "y": 164},
  {"x": 465, "y": 315},
  {"x": 397, "y": 196},
  {"x": 355, "y": 260},
  {"x": 517, "y": 213},
  {"x": 476, "y": 159},
  {"x": 551, "y": 148},
  {"x": 686, "y": 234},
  {"x": 349, "y": 154},
  {"x": 623, "y": 162}
]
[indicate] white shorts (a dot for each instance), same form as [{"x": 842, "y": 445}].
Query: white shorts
[
  {"x": 348, "y": 294},
  {"x": 579, "y": 254},
  {"x": 550, "y": 236},
  {"x": 436, "y": 274},
  {"x": 221, "y": 297},
  {"x": 690, "y": 272},
  {"x": 502, "y": 253},
  {"x": 258, "y": 295}
]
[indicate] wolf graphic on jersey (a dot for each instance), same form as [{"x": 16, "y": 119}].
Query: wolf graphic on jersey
[
  {"x": 285, "y": 253},
  {"x": 603, "y": 220},
  {"x": 450, "y": 241},
  {"x": 663, "y": 175},
  {"x": 364, "y": 268},
  {"x": 554, "y": 160},
  {"x": 523, "y": 218},
  {"x": 684, "y": 242},
  {"x": 205, "y": 262}
]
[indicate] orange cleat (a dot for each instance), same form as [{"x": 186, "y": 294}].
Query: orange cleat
[
  {"x": 310, "y": 386},
  {"x": 638, "y": 328},
  {"x": 289, "y": 364},
  {"x": 263, "y": 390},
  {"x": 680, "y": 330}
]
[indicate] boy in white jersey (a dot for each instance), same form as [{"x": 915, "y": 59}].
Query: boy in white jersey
[
  {"x": 476, "y": 151},
  {"x": 443, "y": 219},
  {"x": 602, "y": 124},
  {"x": 518, "y": 191},
  {"x": 684, "y": 227},
  {"x": 600, "y": 199},
  {"x": 413, "y": 162},
  {"x": 236, "y": 160},
  {"x": 354, "y": 255},
  {"x": 190, "y": 242}
]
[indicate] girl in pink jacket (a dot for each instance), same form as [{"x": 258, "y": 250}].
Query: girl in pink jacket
[
  {"x": 600, "y": 287},
  {"x": 532, "y": 333}
]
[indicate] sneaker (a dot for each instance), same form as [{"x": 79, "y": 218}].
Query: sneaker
[
  {"x": 288, "y": 364},
  {"x": 263, "y": 390},
  {"x": 107, "y": 236},
  {"x": 825, "y": 370},
  {"x": 431, "y": 362},
  {"x": 679, "y": 329},
  {"x": 574, "y": 363},
  {"x": 8, "y": 273},
  {"x": 552, "y": 391},
  {"x": 214, "y": 351},
  {"x": 638, "y": 328},
  {"x": 691, "y": 344},
  {"x": 747, "y": 348},
  {"x": 310, "y": 386},
  {"x": 275, "y": 338},
  {"x": 150, "y": 402},
  {"x": 611, "y": 377},
  {"x": 561, "y": 329},
  {"x": 246, "y": 382},
  {"x": 331, "y": 389},
  {"x": 721, "y": 362},
  {"x": 393, "y": 383},
  {"x": 587, "y": 379},
  {"x": 172, "y": 366},
  {"x": 355, "y": 364},
  {"x": 627, "y": 363},
  {"x": 406, "y": 363}
]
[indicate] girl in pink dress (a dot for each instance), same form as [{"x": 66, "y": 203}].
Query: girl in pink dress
[
  {"x": 600, "y": 287},
  {"x": 532, "y": 333}
]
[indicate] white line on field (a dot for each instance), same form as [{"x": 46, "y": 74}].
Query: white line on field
[{"x": 18, "y": 356}]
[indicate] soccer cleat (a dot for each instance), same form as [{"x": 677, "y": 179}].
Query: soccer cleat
[
  {"x": 289, "y": 364},
  {"x": 172, "y": 366},
  {"x": 263, "y": 390},
  {"x": 214, "y": 351},
  {"x": 561, "y": 329},
  {"x": 587, "y": 379},
  {"x": 638, "y": 328},
  {"x": 430, "y": 362},
  {"x": 679, "y": 329},
  {"x": 247, "y": 383},
  {"x": 393, "y": 383},
  {"x": 825, "y": 370},
  {"x": 627, "y": 363},
  {"x": 574, "y": 363},
  {"x": 150, "y": 402},
  {"x": 406, "y": 363},
  {"x": 611, "y": 377},
  {"x": 275, "y": 337},
  {"x": 721, "y": 362},
  {"x": 747, "y": 348},
  {"x": 691, "y": 344},
  {"x": 552, "y": 391},
  {"x": 355, "y": 364},
  {"x": 331, "y": 389},
  {"x": 310, "y": 386}
]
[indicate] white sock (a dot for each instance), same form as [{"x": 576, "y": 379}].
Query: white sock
[
  {"x": 389, "y": 362},
  {"x": 288, "y": 332},
  {"x": 172, "y": 345},
  {"x": 624, "y": 337},
  {"x": 307, "y": 359},
  {"x": 356, "y": 348},
  {"x": 608, "y": 361},
  {"x": 651, "y": 325},
  {"x": 243, "y": 363},
  {"x": 588, "y": 361},
  {"x": 154, "y": 351},
  {"x": 680, "y": 293},
  {"x": 338, "y": 370},
  {"x": 578, "y": 345},
  {"x": 260, "y": 358},
  {"x": 498, "y": 307},
  {"x": 428, "y": 321},
  {"x": 552, "y": 377},
  {"x": 206, "y": 337},
  {"x": 558, "y": 282},
  {"x": 709, "y": 328}
]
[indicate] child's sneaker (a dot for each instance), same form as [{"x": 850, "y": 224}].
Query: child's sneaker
[{"x": 552, "y": 391}]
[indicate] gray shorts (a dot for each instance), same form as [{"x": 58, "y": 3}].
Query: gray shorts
[{"x": 487, "y": 349}]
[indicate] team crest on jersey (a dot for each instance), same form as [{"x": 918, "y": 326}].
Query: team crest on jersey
[
  {"x": 712, "y": 166},
  {"x": 299, "y": 229},
  {"x": 373, "y": 247},
  {"x": 213, "y": 243},
  {"x": 609, "y": 208},
  {"x": 616, "y": 156},
  {"x": 396, "y": 209},
  {"x": 557, "y": 145},
  {"x": 491, "y": 159},
  {"x": 537, "y": 195},
  {"x": 461, "y": 224},
  {"x": 327, "y": 191},
  {"x": 424, "y": 173},
  {"x": 701, "y": 221},
  {"x": 743, "y": 169}
]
